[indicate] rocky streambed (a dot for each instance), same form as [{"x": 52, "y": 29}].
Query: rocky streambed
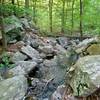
[{"x": 48, "y": 68}]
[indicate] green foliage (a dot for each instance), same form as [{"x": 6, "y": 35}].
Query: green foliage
[
  {"x": 6, "y": 9},
  {"x": 9, "y": 9},
  {"x": 91, "y": 15},
  {"x": 5, "y": 61}
]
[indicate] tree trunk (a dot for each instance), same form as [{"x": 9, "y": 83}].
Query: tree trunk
[
  {"x": 81, "y": 13},
  {"x": 4, "y": 42},
  {"x": 73, "y": 1},
  {"x": 34, "y": 10},
  {"x": 50, "y": 14},
  {"x": 26, "y": 4},
  {"x": 13, "y": 2},
  {"x": 63, "y": 17}
]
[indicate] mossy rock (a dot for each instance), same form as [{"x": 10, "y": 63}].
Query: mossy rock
[
  {"x": 94, "y": 49},
  {"x": 85, "y": 75}
]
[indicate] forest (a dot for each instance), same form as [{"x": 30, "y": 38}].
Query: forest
[{"x": 49, "y": 49}]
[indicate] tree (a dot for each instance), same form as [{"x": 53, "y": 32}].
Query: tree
[
  {"x": 34, "y": 10},
  {"x": 26, "y": 4},
  {"x": 63, "y": 17},
  {"x": 73, "y": 1},
  {"x": 13, "y": 2},
  {"x": 81, "y": 13},
  {"x": 50, "y": 14},
  {"x": 4, "y": 41}
]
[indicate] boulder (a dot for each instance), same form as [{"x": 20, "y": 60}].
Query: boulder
[
  {"x": 58, "y": 94},
  {"x": 84, "y": 76},
  {"x": 64, "y": 42},
  {"x": 25, "y": 23},
  {"x": 82, "y": 46},
  {"x": 13, "y": 29},
  {"x": 94, "y": 49},
  {"x": 30, "y": 38},
  {"x": 59, "y": 49},
  {"x": 56, "y": 68},
  {"x": 31, "y": 52},
  {"x": 42, "y": 88},
  {"x": 22, "y": 68},
  {"x": 16, "y": 24},
  {"x": 13, "y": 88},
  {"x": 18, "y": 70},
  {"x": 34, "y": 44},
  {"x": 25, "y": 65},
  {"x": 18, "y": 56},
  {"x": 16, "y": 47},
  {"x": 46, "y": 49}
]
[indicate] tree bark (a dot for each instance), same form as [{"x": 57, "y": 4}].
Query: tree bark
[
  {"x": 63, "y": 17},
  {"x": 4, "y": 40},
  {"x": 34, "y": 10},
  {"x": 13, "y": 2},
  {"x": 50, "y": 14},
  {"x": 73, "y": 1},
  {"x": 26, "y": 3},
  {"x": 81, "y": 13}
]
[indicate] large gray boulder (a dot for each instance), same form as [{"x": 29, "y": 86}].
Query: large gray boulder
[
  {"x": 13, "y": 88},
  {"x": 84, "y": 76},
  {"x": 58, "y": 66},
  {"x": 18, "y": 56},
  {"x": 31, "y": 52},
  {"x": 26, "y": 65}
]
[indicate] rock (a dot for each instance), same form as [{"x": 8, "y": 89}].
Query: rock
[
  {"x": 25, "y": 23},
  {"x": 1, "y": 78},
  {"x": 61, "y": 94},
  {"x": 25, "y": 65},
  {"x": 94, "y": 49},
  {"x": 58, "y": 94},
  {"x": 34, "y": 44},
  {"x": 46, "y": 49},
  {"x": 56, "y": 68},
  {"x": 30, "y": 39},
  {"x": 85, "y": 43},
  {"x": 42, "y": 88},
  {"x": 37, "y": 87},
  {"x": 18, "y": 56},
  {"x": 31, "y": 52},
  {"x": 13, "y": 29},
  {"x": 64, "y": 42},
  {"x": 52, "y": 41},
  {"x": 16, "y": 24},
  {"x": 59, "y": 49},
  {"x": 84, "y": 76},
  {"x": 18, "y": 70},
  {"x": 43, "y": 55},
  {"x": 16, "y": 47},
  {"x": 13, "y": 88}
]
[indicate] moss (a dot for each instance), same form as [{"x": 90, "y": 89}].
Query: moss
[{"x": 94, "y": 49}]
